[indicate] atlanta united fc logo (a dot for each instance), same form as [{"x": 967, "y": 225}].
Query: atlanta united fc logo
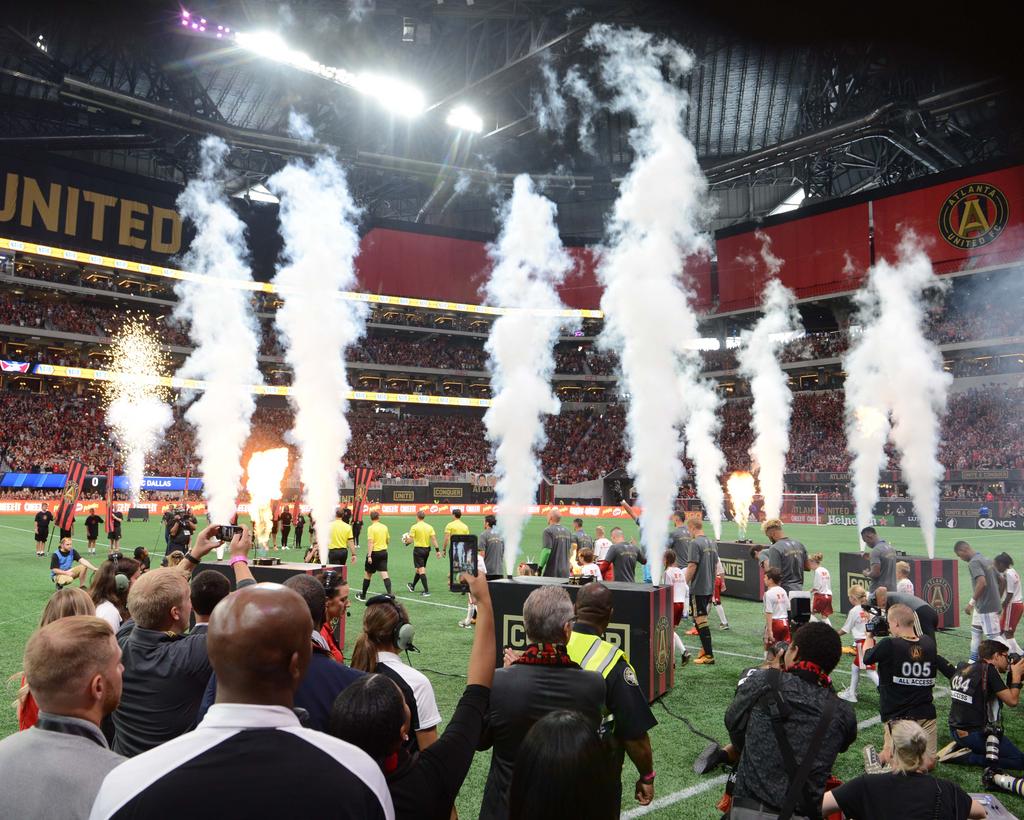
[
  {"x": 973, "y": 215},
  {"x": 938, "y": 593}
]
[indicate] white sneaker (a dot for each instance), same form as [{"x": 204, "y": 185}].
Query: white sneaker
[
  {"x": 848, "y": 696},
  {"x": 465, "y": 623}
]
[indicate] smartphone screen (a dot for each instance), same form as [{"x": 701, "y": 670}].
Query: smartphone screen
[{"x": 462, "y": 558}]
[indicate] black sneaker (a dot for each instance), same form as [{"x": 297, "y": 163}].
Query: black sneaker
[
  {"x": 410, "y": 587},
  {"x": 424, "y": 594},
  {"x": 710, "y": 759},
  {"x": 361, "y": 597}
]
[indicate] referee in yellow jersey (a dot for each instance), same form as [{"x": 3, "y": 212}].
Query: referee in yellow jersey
[
  {"x": 423, "y": 537},
  {"x": 340, "y": 538},
  {"x": 454, "y": 527},
  {"x": 377, "y": 538}
]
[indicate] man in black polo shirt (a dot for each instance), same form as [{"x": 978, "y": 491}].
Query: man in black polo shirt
[
  {"x": 165, "y": 671},
  {"x": 979, "y": 693},
  {"x": 624, "y": 556},
  {"x": 43, "y": 520},
  {"x": 907, "y": 664},
  {"x": 250, "y": 756},
  {"x": 92, "y": 529}
]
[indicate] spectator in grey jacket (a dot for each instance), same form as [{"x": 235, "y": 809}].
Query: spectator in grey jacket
[{"x": 54, "y": 769}]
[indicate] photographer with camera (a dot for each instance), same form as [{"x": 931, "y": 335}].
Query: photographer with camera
[
  {"x": 979, "y": 693},
  {"x": 927, "y": 617},
  {"x": 906, "y": 670},
  {"x": 179, "y": 531}
]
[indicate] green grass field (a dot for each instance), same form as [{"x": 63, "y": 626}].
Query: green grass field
[{"x": 701, "y": 693}]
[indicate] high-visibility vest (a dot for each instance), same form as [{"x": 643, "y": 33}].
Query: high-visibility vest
[{"x": 594, "y": 654}]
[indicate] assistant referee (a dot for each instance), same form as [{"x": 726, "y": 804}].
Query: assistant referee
[
  {"x": 423, "y": 537},
  {"x": 377, "y": 538}
]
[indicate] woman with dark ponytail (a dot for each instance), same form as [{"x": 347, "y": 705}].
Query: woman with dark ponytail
[
  {"x": 386, "y": 633},
  {"x": 109, "y": 590}
]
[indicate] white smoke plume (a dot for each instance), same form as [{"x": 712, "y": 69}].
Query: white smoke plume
[
  {"x": 319, "y": 227},
  {"x": 529, "y": 263},
  {"x": 894, "y": 371},
  {"x": 548, "y": 101},
  {"x": 655, "y": 224},
  {"x": 773, "y": 401},
  {"x": 702, "y": 423},
  {"x": 586, "y": 102},
  {"x": 223, "y": 329}
]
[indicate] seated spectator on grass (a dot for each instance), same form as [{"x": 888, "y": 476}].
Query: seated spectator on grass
[
  {"x": 66, "y": 565},
  {"x": 372, "y": 714},
  {"x": 54, "y": 769},
  {"x": 541, "y": 680},
  {"x": 62, "y": 604},
  {"x": 908, "y": 792},
  {"x": 587, "y": 781},
  {"x": 250, "y": 757}
]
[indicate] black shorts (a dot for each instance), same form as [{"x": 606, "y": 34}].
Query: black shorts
[
  {"x": 42, "y": 535},
  {"x": 338, "y": 556},
  {"x": 65, "y": 533},
  {"x": 699, "y": 605},
  {"x": 377, "y": 561},
  {"x": 115, "y": 534},
  {"x": 92, "y": 536},
  {"x": 420, "y": 556}
]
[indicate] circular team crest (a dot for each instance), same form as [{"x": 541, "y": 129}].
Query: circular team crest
[
  {"x": 939, "y": 594},
  {"x": 973, "y": 215}
]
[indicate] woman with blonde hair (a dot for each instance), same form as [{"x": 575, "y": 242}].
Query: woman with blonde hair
[
  {"x": 63, "y": 603},
  {"x": 908, "y": 792}
]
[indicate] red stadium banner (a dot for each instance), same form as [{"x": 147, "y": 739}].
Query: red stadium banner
[
  {"x": 361, "y": 483},
  {"x": 72, "y": 487},
  {"x": 108, "y": 520}
]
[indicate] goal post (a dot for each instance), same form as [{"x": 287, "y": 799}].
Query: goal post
[{"x": 797, "y": 508}]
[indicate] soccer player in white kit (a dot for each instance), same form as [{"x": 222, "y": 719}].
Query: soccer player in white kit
[
  {"x": 680, "y": 595},
  {"x": 821, "y": 595},
  {"x": 1013, "y": 601}
]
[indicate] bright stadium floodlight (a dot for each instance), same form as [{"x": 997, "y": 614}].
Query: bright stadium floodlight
[
  {"x": 396, "y": 96},
  {"x": 464, "y": 118}
]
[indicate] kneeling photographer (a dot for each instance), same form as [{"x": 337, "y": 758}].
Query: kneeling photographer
[
  {"x": 979, "y": 693},
  {"x": 927, "y": 617},
  {"x": 789, "y": 728},
  {"x": 906, "y": 664}
]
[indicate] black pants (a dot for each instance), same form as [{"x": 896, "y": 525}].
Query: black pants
[
  {"x": 285, "y": 531},
  {"x": 298, "y": 538},
  {"x": 929, "y": 619}
]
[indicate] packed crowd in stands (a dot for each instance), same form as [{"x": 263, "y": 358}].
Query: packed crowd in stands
[{"x": 983, "y": 429}]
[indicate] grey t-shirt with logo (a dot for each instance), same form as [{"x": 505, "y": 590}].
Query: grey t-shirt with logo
[
  {"x": 679, "y": 543},
  {"x": 989, "y": 601},
  {"x": 704, "y": 553},
  {"x": 883, "y": 555},
  {"x": 789, "y": 557}
]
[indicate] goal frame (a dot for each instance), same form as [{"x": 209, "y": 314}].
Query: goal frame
[{"x": 813, "y": 496}]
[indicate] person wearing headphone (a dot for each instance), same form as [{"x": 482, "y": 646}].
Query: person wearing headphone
[
  {"x": 386, "y": 633},
  {"x": 109, "y": 590}
]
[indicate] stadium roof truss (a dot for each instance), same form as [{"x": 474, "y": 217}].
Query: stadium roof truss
[{"x": 125, "y": 88}]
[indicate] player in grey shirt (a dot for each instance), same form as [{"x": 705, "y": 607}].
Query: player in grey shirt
[
  {"x": 701, "y": 561},
  {"x": 987, "y": 587},
  {"x": 554, "y": 554},
  {"x": 580, "y": 539},
  {"x": 882, "y": 569},
  {"x": 624, "y": 556},
  {"x": 679, "y": 538},
  {"x": 493, "y": 547},
  {"x": 787, "y": 555}
]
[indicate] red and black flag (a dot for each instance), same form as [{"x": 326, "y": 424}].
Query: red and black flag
[
  {"x": 72, "y": 487},
  {"x": 361, "y": 486},
  {"x": 108, "y": 521}
]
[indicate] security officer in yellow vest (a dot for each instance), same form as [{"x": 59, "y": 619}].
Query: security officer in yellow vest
[{"x": 624, "y": 699}]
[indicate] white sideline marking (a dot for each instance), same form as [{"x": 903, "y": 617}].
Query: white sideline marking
[{"x": 675, "y": 797}]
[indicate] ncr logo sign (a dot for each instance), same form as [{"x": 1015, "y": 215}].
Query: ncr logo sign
[{"x": 996, "y": 524}]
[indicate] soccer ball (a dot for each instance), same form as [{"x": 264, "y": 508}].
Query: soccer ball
[{"x": 407, "y": 538}]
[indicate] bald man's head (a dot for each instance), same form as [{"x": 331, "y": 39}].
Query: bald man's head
[
  {"x": 259, "y": 644},
  {"x": 594, "y": 604}
]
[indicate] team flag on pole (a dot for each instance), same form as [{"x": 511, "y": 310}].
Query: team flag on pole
[
  {"x": 72, "y": 487},
  {"x": 361, "y": 486},
  {"x": 108, "y": 519}
]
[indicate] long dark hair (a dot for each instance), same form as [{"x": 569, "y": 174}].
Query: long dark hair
[
  {"x": 369, "y": 713},
  {"x": 104, "y": 583},
  {"x": 379, "y": 622},
  {"x": 587, "y": 784}
]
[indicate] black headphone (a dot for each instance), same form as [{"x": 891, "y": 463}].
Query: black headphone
[{"x": 404, "y": 631}]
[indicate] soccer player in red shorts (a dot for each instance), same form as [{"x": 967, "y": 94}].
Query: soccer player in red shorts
[
  {"x": 821, "y": 597},
  {"x": 776, "y": 609},
  {"x": 855, "y": 621},
  {"x": 675, "y": 577},
  {"x": 1013, "y": 602}
]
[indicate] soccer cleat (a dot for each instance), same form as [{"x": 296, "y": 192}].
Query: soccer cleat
[
  {"x": 724, "y": 627},
  {"x": 710, "y": 759},
  {"x": 465, "y": 623},
  {"x": 848, "y": 695},
  {"x": 410, "y": 587},
  {"x": 692, "y": 631},
  {"x": 704, "y": 659},
  {"x": 849, "y": 650},
  {"x": 360, "y": 597},
  {"x": 685, "y": 658}
]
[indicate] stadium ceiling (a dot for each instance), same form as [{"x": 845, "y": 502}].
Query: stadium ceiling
[{"x": 776, "y": 107}]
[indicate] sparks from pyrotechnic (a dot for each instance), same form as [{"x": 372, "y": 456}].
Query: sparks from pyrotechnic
[{"x": 266, "y": 469}]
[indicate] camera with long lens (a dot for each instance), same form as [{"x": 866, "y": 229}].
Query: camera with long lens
[
  {"x": 1014, "y": 657},
  {"x": 878, "y": 624}
]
